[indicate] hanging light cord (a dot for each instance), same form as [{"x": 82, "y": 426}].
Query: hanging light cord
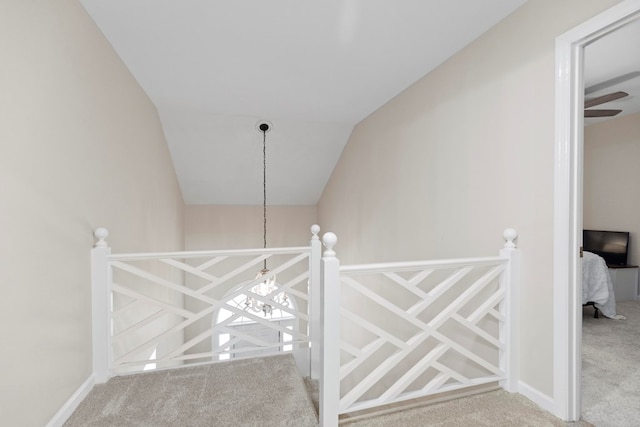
[{"x": 264, "y": 190}]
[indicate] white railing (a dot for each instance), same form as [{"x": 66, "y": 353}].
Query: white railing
[
  {"x": 160, "y": 310},
  {"x": 373, "y": 335},
  {"x": 399, "y": 331}
]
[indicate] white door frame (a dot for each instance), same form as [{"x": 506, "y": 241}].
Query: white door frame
[{"x": 567, "y": 341}]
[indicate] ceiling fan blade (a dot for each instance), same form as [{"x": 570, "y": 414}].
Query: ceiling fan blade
[
  {"x": 604, "y": 98},
  {"x": 601, "y": 113}
]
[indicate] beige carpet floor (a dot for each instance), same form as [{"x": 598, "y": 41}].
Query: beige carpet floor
[
  {"x": 265, "y": 392},
  {"x": 269, "y": 392},
  {"x": 611, "y": 367},
  {"x": 492, "y": 409}
]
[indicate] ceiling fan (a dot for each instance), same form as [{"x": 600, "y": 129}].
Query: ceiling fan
[{"x": 598, "y": 100}]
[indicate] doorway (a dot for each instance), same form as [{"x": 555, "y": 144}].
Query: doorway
[{"x": 568, "y": 199}]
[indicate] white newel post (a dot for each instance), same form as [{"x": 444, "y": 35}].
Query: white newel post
[
  {"x": 330, "y": 341},
  {"x": 315, "y": 329},
  {"x": 101, "y": 307},
  {"x": 509, "y": 309}
]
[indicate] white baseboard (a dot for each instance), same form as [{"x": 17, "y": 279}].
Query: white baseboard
[
  {"x": 536, "y": 396},
  {"x": 70, "y": 405}
]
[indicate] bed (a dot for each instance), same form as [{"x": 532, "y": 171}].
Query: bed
[{"x": 597, "y": 288}]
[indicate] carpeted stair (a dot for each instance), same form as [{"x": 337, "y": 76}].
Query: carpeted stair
[{"x": 264, "y": 392}]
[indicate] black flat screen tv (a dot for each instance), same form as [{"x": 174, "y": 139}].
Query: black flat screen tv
[{"x": 613, "y": 246}]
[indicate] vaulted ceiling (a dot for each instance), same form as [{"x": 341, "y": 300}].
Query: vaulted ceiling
[{"x": 216, "y": 68}]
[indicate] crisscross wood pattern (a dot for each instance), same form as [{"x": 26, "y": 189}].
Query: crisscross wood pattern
[
  {"x": 413, "y": 329},
  {"x": 166, "y": 308}
]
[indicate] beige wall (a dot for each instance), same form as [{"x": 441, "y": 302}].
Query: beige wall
[
  {"x": 462, "y": 154},
  {"x": 82, "y": 147},
  {"x": 612, "y": 178},
  {"x": 241, "y": 227}
]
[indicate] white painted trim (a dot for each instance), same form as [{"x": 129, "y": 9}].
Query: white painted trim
[
  {"x": 536, "y": 396},
  {"x": 71, "y": 405},
  {"x": 101, "y": 282},
  {"x": 315, "y": 307},
  {"x": 566, "y": 332},
  {"x": 510, "y": 331},
  {"x": 568, "y": 202},
  {"x": 329, "y": 392}
]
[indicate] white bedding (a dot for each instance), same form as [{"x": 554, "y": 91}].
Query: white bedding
[{"x": 596, "y": 284}]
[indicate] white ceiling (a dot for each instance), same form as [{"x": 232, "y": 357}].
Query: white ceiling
[
  {"x": 612, "y": 63},
  {"x": 214, "y": 68}
]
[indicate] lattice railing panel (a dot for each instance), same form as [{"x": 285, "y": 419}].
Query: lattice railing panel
[
  {"x": 411, "y": 331},
  {"x": 190, "y": 307}
]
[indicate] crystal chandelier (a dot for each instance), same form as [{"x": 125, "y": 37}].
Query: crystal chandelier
[{"x": 266, "y": 287}]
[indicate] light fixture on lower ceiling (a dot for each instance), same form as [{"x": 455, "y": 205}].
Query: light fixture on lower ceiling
[{"x": 267, "y": 287}]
